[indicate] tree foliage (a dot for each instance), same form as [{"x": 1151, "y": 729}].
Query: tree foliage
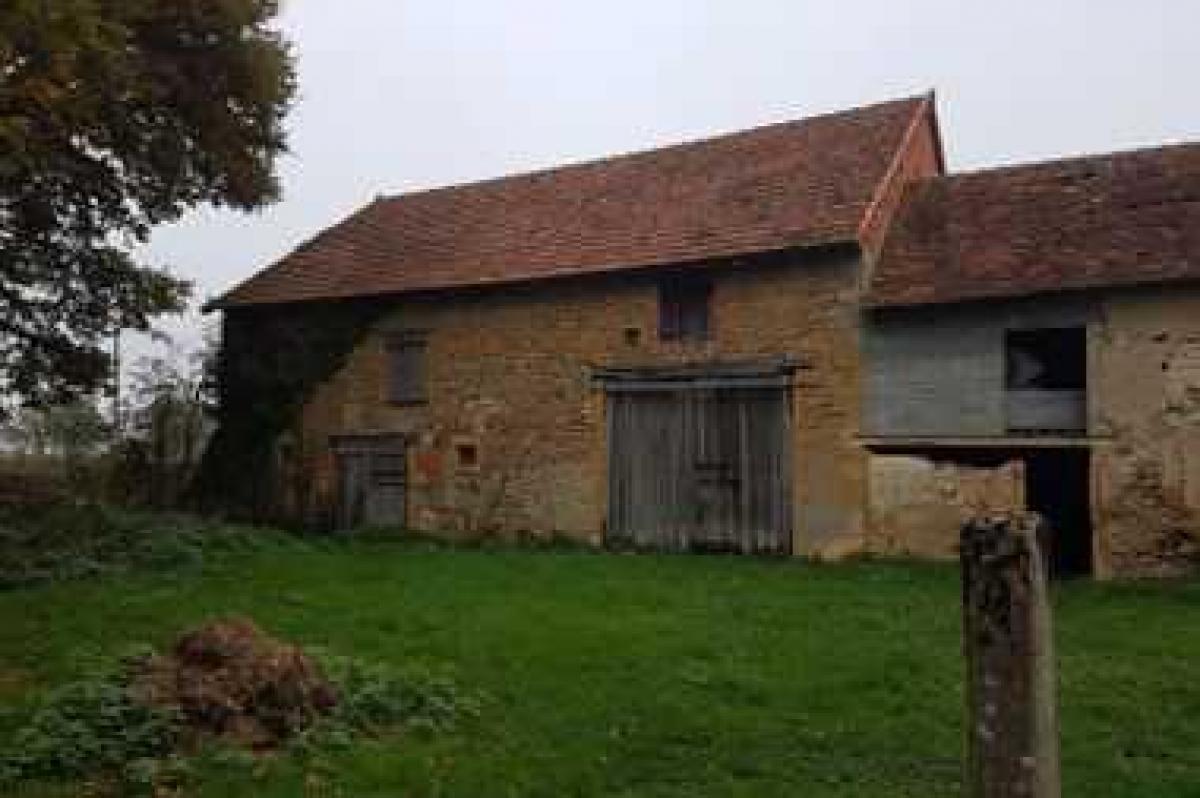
[
  {"x": 269, "y": 360},
  {"x": 167, "y": 422},
  {"x": 68, "y": 431},
  {"x": 115, "y": 116}
]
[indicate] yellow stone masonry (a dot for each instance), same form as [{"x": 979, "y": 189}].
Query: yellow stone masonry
[{"x": 509, "y": 376}]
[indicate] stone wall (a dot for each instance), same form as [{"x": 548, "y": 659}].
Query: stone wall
[
  {"x": 1145, "y": 377},
  {"x": 509, "y": 375},
  {"x": 918, "y": 504},
  {"x": 937, "y": 375}
]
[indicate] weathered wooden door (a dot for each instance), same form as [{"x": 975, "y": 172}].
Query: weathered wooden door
[
  {"x": 697, "y": 467},
  {"x": 371, "y": 480}
]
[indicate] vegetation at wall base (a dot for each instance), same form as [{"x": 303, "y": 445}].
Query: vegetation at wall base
[{"x": 270, "y": 361}]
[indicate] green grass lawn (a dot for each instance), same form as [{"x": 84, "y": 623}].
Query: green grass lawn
[{"x": 655, "y": 676}]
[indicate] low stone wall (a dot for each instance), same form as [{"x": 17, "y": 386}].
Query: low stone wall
[{"x": 917, "y": 504}]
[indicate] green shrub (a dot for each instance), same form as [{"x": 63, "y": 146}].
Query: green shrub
[
  {"x": 93, "y": 726},
  {"x": 64, "y": 542},
  {"x": 372, "y": 697},
  {"x": 96, "y": 727}
]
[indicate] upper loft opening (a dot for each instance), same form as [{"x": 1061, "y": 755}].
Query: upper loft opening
[
  {"x": 684, "y": 309},
  {"x": 1045, "y": 381}
]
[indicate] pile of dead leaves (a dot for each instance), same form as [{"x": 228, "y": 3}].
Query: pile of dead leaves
[{"x": 230, "y": 680}]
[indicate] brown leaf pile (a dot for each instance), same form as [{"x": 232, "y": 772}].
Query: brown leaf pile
[{"x": 230, "y": 679}]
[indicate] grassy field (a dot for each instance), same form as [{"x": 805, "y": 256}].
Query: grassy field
[{"x": 655, "y": 676}]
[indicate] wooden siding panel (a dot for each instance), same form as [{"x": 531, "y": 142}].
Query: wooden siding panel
[
  {"x": 941, "y": 372},
  {"x": 934, "y": 379},
  {"x": 700, "y": 470},
  {"x": 372, "y": 480}
]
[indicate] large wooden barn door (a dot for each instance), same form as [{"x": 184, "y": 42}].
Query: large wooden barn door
[
  {"x": 371, "y": 480},
  {"x": 698, "y": 466}
]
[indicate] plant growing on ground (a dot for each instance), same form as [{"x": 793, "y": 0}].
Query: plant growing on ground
[
  {"x": 373, "y": 698},
  {"x": 93, "y": 726},
  {"x": 113, "y": 725},
  {"x": 65, "y": 542}
]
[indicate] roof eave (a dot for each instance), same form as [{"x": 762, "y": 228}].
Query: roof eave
[
  {"x": 228, "y": 301},
  {"x": 871, "y": 304}
]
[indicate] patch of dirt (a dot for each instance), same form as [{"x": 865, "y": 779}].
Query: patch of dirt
[
  {"x": 230, "y": 679},
  {"x": 14, "y": 682}
]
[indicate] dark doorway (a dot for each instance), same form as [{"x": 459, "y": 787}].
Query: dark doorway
[{"x": 1057, "y": 485}]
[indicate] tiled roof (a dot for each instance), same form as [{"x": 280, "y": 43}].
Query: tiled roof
[
  {"x": 802, "y": 183},
  {"x": 1109, "y": 220}
]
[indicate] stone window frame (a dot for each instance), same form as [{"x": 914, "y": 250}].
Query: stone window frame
[{"x": 459, "y": 445}]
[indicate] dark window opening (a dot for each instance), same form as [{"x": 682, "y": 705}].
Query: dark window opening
[
  {"x": 1046, "y": 360},
  {"x": 683, "y": 310},
  {"x": 1046, "y": 381},
  {"x": 468, "y": 455},
  {"x": 406, "y": 368}
]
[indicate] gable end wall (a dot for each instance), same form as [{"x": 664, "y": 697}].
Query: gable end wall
[{"x": 919, "y": 157}]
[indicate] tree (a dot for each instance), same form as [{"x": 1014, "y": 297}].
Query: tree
[
  {"x": 116, "y": 116},
  {"x": 67, "y": 431},
  {"x": 170, "y": 419}
]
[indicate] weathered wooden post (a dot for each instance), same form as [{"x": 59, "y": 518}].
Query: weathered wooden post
[{"x": 1011, "y": 708}]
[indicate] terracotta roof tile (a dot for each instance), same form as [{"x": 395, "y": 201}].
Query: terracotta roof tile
[
  {"x": 799, "y": 183},
  {"x": 1119, "y": 219}
]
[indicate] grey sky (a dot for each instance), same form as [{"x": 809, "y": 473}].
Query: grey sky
[{"x": 398, "y": 95}]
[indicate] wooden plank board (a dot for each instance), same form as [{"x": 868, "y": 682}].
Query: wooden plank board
[
  {"x": 372, "y": 481},
  {"x": 703, "y": 469}
]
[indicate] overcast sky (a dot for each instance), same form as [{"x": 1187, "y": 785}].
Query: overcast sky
[{"x": 397, "y": 95}]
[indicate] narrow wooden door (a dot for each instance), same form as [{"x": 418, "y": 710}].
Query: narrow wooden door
[
  {"x": 371, "y": 481},
  {"x": 700, "y": 469},
  {"x": 353, "y": 469},
  {"x": 385, "y": 499}
]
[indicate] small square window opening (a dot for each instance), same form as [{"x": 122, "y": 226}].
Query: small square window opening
[
  {"x": 468, "y": 455},
  {"x": 684, "y": 310}
]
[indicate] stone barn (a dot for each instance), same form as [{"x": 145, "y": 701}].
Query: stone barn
[
  {"x": 1034, "y": 331},
  {"x": 804, "y": 338}
]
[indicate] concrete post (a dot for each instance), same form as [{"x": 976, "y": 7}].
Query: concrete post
[{"x": 1011, "y": 706}]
